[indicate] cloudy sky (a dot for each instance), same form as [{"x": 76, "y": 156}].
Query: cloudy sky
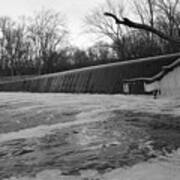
[{"x": 74, "y": 10}]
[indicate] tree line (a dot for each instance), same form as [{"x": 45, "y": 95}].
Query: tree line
[{"x": 39, "y": 44}]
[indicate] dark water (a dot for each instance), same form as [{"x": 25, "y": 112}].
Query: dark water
[{"x": 123, "y": 140}]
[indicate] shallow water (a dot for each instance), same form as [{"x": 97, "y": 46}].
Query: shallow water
[{"x": 66, "y": 136}]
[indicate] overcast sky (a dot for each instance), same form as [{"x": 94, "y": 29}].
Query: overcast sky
[{"x": 74, "y": 10}]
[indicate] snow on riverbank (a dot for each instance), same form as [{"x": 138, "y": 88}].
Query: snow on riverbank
[{"x": 164, "y": 168}]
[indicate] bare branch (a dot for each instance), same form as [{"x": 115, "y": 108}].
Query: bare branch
[{"x": 131, "y": 24}]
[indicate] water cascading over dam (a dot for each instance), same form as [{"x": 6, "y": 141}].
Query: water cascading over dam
[{"x": 106, "y": 79}]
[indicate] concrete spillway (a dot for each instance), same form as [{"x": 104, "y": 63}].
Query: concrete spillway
[{"x": 97, "y": 79}]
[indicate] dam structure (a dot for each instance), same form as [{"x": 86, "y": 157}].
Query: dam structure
[{"x": 106, "y": 79}]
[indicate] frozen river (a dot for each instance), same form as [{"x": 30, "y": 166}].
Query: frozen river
[{"x": 64, "y": 136}]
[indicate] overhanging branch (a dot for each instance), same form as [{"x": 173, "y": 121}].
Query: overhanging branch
[{"x": 131, "y": 24}]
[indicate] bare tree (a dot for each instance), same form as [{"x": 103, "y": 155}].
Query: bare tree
[
  {"x": 101, "y": 51},
  {"x": 169, "y": 11},
  {"x": 103, "y": 27},
  {"x": 13, "y": 45},
  {"x": 146, "y": 10},
  {"x": 47, "y": 31}
]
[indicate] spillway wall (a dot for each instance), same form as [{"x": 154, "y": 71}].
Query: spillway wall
[{"x": 96, "y": 79}]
